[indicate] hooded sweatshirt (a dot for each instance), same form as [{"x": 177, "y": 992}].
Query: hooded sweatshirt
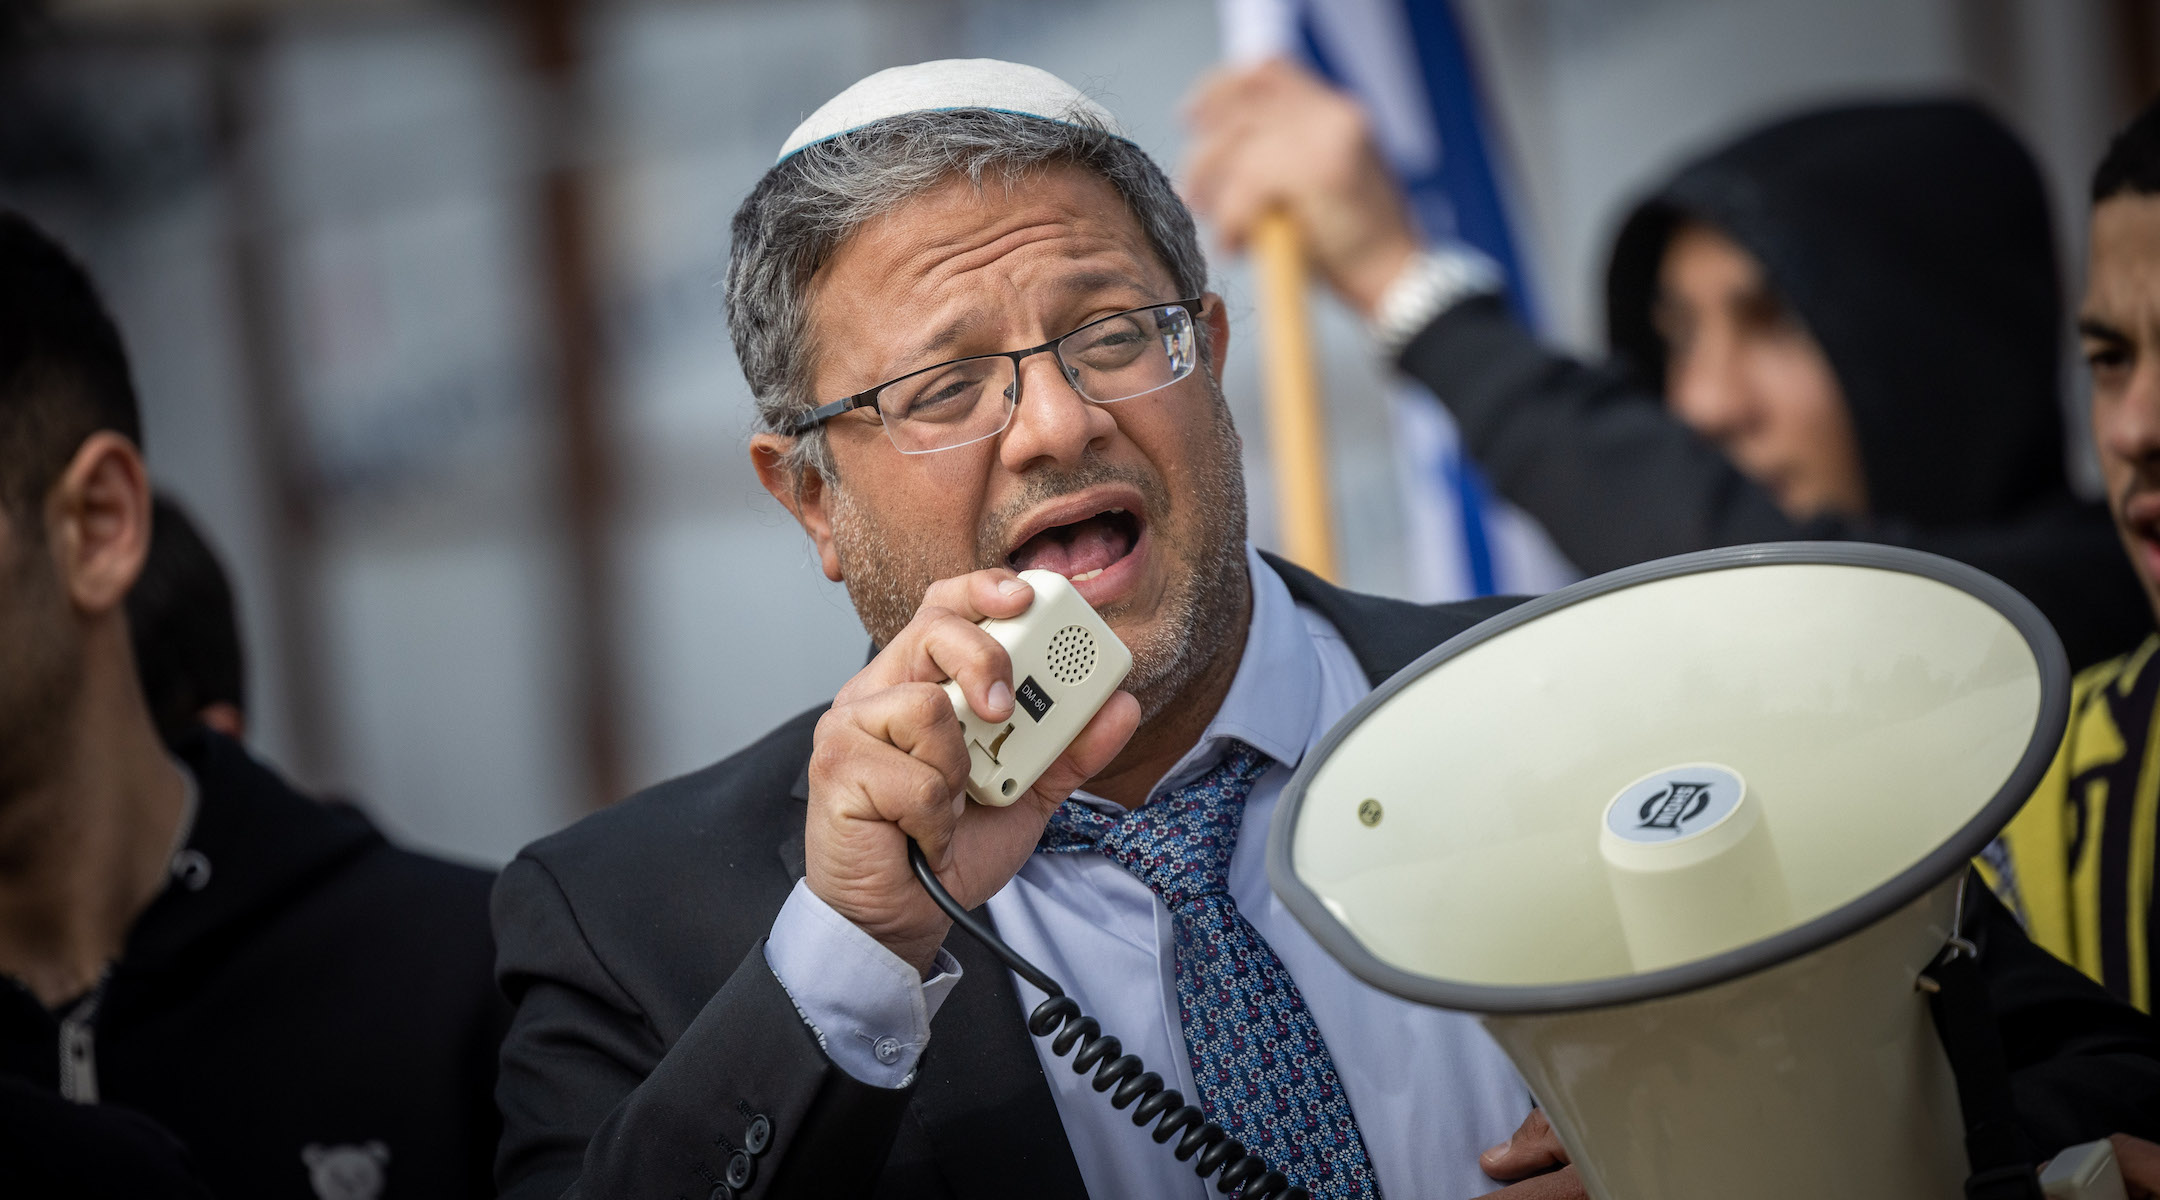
[
  {"x": 1913, "y": 241},
  {"x": 305, "y": 1011}
]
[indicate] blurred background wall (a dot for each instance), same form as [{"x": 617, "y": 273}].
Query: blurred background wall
[{"x": 423, "y": 305}]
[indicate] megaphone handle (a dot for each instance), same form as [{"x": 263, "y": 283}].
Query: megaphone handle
[
  {"x": 2000, "y": 1157},
  {"x": 1060, "y": 1015}
]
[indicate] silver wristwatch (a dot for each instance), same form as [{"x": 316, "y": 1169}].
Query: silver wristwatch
[{"x": 1432, "y": 282}]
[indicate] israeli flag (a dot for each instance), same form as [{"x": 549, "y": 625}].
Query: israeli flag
[{"x": 1407, "y": 62}]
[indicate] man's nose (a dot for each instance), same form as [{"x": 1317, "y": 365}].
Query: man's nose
[
  {"x": 1054, "y": 422},
  {"x": 1706, "y": 389}
]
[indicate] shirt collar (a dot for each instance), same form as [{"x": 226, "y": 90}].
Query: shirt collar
[{"x": 1275, "y": 695}]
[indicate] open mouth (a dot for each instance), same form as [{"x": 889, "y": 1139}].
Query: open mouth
[
  {"x": 2138, "y": 516},
  {"x": 1080, "y": 550},
  {"x": 2146, "y": 538},
  {"x": 2141, "y": 513}
]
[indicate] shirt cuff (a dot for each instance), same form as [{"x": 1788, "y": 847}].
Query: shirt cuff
[{"x": 870, "y": 1009}]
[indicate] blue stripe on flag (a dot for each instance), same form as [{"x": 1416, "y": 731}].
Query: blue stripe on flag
[
  {"x": 1458, "y": 197},
  {"x": 1462, "y": 477},
  {"x": 1466, "y": 180},
  {"x": 1468, "y": 184}
]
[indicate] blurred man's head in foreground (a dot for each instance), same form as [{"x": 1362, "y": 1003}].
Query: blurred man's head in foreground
[
  {"x": 1859, "y": 305},
  {"x": 2119, "y": 329},
  {"x": 186, "y": 632},
  {"x": 74, "y": 499},
  {"x": 908, "y": 255}
]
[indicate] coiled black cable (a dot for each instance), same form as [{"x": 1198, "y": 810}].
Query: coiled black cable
[{"x": 1060, "y": 1015}]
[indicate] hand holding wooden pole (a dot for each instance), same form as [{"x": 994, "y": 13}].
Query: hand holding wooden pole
[{"x": 1297, "y": 435}]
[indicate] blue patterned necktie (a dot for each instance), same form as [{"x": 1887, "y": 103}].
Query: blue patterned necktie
[{"x": 1263, "y": 1070}]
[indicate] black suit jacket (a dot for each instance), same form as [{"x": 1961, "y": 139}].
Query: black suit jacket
[{"x": 650, "y": 1036}]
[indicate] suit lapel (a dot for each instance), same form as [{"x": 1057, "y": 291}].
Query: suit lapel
[
  {"x": 981, "y": 1096},
  {"x": 1384, "y": 635}
]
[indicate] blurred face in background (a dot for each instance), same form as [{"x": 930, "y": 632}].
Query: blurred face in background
[
  {"x": 2119, "y": 328},
  {"x": 1742, "y": 371}
]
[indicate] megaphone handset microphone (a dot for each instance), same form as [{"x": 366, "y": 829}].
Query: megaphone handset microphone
[{"x": 1067, "y": 664}]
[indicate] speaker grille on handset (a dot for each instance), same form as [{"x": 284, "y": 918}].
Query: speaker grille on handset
[{"x": 1072, "y": 655}]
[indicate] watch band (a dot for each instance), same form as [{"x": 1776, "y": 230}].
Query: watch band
[{"x": 1432, "y": 282}]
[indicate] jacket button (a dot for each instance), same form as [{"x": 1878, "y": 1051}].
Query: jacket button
[
  {"x": 758, "y": 1136},
  {"x": 739, "y": 1170},
  {"x": 721, "y": 1191}
]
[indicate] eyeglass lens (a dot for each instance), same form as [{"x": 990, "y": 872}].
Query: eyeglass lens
[{"x": 1116, "y": 358}]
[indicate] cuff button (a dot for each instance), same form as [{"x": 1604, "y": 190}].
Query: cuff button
[
  {"x": 758, "y": 1136},
  {"x": 739, "y": 1170},
  {"x": 887, "y": 1050}
]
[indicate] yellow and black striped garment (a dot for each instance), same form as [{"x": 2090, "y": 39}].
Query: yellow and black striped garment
[{"x": 2076, "y": 864}]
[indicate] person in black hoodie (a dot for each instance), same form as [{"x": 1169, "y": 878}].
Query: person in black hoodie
[
  {"x": 1844, "y": 325},
  {"x": 185, "y": 629},
  {"x": 207, "y": 980}
]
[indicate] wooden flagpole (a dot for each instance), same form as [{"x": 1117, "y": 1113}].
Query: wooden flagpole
[{"x": 1290, "y": 378}]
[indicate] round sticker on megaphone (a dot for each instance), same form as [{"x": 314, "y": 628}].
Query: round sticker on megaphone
[
  {"x": 1691, "y": 864},
  {"x": 1675, "y": 803}
]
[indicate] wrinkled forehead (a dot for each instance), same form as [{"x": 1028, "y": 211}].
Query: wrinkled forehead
[{"x": 967, "y": 268}]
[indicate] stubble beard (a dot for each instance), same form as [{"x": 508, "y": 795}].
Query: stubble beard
[{"x": 1203, "y": 534}]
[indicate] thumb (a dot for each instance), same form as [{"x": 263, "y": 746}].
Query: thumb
[
  {"x": 1099, "y": 742},
  {"x": 1531, "y": 1150}
]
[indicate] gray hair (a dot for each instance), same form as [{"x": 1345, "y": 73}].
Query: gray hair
[{"x": 804, "y": 207}]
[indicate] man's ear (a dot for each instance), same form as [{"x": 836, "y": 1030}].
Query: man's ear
[
  {"x": 800, "y": 490},
  {"x": 1217, "y": 318},
  {"x": 97, "y": 521}
]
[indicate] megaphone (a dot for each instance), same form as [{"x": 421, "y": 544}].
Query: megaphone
[{"x": 1685, "y": 837}]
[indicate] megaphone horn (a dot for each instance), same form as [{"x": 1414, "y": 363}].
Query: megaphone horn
[{"x": 1685, "y": 837}]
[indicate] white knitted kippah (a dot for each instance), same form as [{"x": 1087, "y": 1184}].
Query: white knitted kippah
[{"x": 949, "y": 83}]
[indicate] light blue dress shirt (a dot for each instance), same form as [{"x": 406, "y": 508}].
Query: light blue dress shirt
[{"x": 1430, "y": 1089}]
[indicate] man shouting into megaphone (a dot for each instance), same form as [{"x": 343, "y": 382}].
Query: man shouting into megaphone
[{"x": 977, "y": 322}]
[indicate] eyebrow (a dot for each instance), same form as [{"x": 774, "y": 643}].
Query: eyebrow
[
  {"x": 1084, "y": 283},
  {"x": 2094, "y": 327}
]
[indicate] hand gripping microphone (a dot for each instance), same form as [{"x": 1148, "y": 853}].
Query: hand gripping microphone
[{"x": 1065, "y": 665}]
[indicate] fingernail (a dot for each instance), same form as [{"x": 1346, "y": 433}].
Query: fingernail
[
  {"x": 1007, "y": 587},
  {"x": 1000, "y": 695},
  {"x": 1499, "y": 1151}
]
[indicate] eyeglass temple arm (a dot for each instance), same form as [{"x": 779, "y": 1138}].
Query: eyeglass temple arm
[{"x": 804, "y": 422}]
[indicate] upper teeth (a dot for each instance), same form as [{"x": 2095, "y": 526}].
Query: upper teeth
[{"x": 1083, "y": 578}]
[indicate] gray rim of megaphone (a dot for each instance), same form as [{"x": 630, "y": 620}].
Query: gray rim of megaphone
[{"x": 1899, "y": 890}]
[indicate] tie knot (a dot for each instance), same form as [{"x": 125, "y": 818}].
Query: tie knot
[{"x": 1179, "y": 844}]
